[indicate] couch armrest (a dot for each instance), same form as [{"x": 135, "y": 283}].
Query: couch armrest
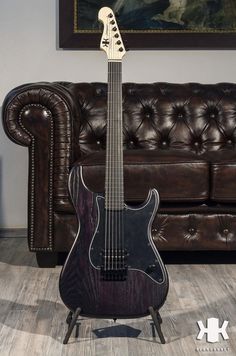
[{"x": 41, "y": 116}]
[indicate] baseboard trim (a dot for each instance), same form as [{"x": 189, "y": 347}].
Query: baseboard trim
[{"x": 11, "y": 232}]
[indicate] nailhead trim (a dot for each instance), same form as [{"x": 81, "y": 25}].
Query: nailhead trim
[{"x": 50, "y": 193}]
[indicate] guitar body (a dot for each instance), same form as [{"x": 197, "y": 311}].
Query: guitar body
[{"x": 81, "y": 281}]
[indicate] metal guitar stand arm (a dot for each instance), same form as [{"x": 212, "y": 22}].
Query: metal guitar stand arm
[{"x": 73, "y": 317}]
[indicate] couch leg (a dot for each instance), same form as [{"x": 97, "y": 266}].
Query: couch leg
[{"x": 47, "y": 259}]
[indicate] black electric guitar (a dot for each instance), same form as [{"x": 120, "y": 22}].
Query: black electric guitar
[{"x": 113, "y": 269}]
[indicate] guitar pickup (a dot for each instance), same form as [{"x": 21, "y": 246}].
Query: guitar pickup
[{"x": 114, "y": 267}]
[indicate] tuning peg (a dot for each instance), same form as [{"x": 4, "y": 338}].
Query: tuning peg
[
  {"x": 121, "y": 49},
  {"x": 116, "y": 35},
  {"x": 110, "y": 15},
  {"x": 118, "y": 42},
  {"x": 112, "y": 22},
  {"x": 114, "y": 29}
]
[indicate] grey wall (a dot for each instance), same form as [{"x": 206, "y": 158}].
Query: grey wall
[{"x": 28, "y": 53}]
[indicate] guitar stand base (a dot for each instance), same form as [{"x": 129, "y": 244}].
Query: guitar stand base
[{"x": 72, "y": 319}]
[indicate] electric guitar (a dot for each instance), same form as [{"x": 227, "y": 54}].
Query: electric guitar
[{"x": 113, "y": 269}]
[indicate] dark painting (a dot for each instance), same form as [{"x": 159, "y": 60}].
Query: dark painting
[
  {"x": 152, "y": 24},
  {"x": 183, "y": 15}
]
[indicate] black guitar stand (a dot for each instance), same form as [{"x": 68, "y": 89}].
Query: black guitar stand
[
  {"x": 72, "y": 322},
  {"x": 157, "y": 320},
  {"x": 72, "y": 319}
]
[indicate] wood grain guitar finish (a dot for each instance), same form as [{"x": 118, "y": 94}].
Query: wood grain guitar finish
[{"x": 81, "y": 284}]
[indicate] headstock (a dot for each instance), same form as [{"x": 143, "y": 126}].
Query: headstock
[{"x": 111, "y": 41}]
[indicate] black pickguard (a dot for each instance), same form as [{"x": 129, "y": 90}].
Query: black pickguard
[{"x": 141, "y": 251}]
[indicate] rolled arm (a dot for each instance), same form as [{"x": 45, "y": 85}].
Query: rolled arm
[{"x": 42, "y": 117}]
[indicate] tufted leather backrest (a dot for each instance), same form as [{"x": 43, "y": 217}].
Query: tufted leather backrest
[{"x": 193, "y": 117}]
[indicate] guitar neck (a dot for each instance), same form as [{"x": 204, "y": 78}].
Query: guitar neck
[{"x": 114, "y": 186}]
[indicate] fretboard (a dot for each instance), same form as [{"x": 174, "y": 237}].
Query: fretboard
[{"x": 114, "y": 188}]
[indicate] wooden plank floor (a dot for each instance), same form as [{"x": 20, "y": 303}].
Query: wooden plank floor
[{"x": 32, "y": 316}]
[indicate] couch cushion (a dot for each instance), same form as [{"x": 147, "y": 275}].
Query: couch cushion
[
  {"x": 223, "y": 176},
  {"x": 178, "y": 176}
]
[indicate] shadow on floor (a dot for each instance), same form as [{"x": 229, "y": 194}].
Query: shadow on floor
[
  {"x": 198, "y": 257},
  {"x": 48, "y": 318},
  {"x": 117, "y": 331}
]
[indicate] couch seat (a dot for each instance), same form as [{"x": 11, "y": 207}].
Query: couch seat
[
  {"x": 178, "y": 176},
  {"x": 223, "y": 176}
]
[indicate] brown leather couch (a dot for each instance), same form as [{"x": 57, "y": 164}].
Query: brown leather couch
[{"x": 178, "y": 138}]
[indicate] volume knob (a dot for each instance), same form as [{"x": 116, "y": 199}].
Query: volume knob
[{"x": 150, "y": 268}]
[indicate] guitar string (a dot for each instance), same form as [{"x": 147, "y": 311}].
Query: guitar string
[
  {"x": 119, "y": 171},
  {"x": 109, "y": 159},
  {"x": 109, "y": 165},
  {"x": 106, "y": 184},
  {"x": 107, "y": 179},
  {"x": 119, "y": 157},
  {"x": 111, "y": 153},
  {"x": 107, "y": 222},
  {"x": 112, "y": 166},
  {"x": 117, "y": 168},
  {"x": 115, "y": 163},
  {"x": 110, "y": 169},
  {"x": 119, "y": 153}
]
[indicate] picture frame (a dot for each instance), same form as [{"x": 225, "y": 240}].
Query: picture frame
[{"x": 72, "y": 36}]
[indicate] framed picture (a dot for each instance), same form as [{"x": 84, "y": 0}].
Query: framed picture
[{"x": 151, "y": 24}]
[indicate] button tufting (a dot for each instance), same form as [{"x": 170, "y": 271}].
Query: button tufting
[
  {"x": 212, "y": 115},
  {"x": 98, "y": 142},
  {"x": 225, "y": 231},
  {"x": 229, "y": 142},
  {"x": 99, "y": 91},
  {"x": 164, "y": 143},
  {"x": 191, "y": 230},
  {"x": 196, "y": 143},
  {"x": 180, "y": 115}
]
